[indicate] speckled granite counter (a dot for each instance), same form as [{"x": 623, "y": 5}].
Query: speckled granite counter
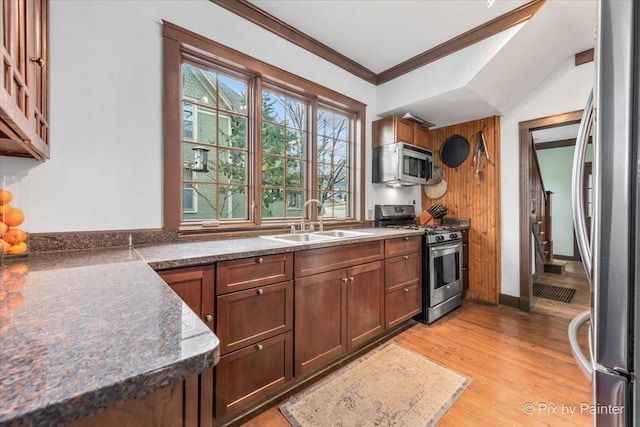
[
  {"x": 84, "y": 330},
  {"x": 197, "y": 253}
]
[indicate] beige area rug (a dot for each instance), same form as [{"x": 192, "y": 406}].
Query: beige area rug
[{"x": 390, "y": 386}]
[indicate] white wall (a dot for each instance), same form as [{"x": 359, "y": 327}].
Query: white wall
[
  {"x": 567, "y": 89},
  {"x": 105, "y": 171}
]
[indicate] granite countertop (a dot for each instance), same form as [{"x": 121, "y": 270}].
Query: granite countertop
[{"x": 84, "y": 330}]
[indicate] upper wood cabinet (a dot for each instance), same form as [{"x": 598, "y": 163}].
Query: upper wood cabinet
[
  {"x": 396, "y": 129},
  {"x": 24, "y": 79}
]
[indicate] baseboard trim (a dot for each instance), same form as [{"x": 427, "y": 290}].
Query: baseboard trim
[{"x": 509, "y": 300}]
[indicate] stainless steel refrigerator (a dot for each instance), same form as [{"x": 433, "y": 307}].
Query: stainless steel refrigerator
[{"x": 610, "y": 252}]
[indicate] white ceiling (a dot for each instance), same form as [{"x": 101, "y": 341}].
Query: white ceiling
[
  {"x": 379, "y": 34},
  {"x": 490, "y": 77}
]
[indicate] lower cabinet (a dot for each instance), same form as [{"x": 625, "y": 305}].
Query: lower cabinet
[
  {"x": 336, "y": 312},
  {"x": 246, "y": 375},
  {"x": 403, "y": 304}
]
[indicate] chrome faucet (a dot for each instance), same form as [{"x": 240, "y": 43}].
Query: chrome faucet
[{"x": 304, "y": 207}]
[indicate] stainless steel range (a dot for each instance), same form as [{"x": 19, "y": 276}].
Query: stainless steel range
[{"x": 441, "y": 260}]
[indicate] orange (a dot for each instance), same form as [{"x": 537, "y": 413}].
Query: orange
[
  {"x": 3, "y": 294},
  {"x": 18, "y": 269},
  {"x": 16, "y": 283},
  {"x": 4, "y": 209},
  {"x": 13, "y": 217},
  {"x": 5, "y": 196},
  {"x": 4, "y": 246},
  {"x": 20, "y": 248},
  {"x": 15, "y": 236},
  {"x": 3, "y": 228}
]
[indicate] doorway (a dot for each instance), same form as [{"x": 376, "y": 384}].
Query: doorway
[{"x": 528, "y": 187}]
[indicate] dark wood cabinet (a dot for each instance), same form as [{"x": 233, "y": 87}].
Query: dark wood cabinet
[
  {"x": 320, "y": 320},
  {"x": 316, "y": 261},
  {"x": 195, "y": 286},
  {"x": 465, "y": 261},
  {"x": 402, "y": 305},
  {"x": 248, "y": 273},
  {"x": 247, "y": 375},
  {"x": 365, "y": 303},
  {"x": 24, "y": 79},
  {"x": 403, "y": 279},
  {"x": 396, "y": 129},
  {"x": 402, "y": 271},
  {"x": 252, "y": 315}
]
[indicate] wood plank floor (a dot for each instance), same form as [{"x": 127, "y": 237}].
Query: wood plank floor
[
  {"x": 574, "y": 277},
  {"x": 514, "y": 358}
]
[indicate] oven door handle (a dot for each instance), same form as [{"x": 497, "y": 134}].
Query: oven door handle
[{"x": 445, "y": 250}]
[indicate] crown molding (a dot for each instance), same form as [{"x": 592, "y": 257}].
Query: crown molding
[{"x": 269, "y": 22}]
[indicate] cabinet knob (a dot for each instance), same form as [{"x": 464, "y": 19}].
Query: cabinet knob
[
  {"x": 208, "y": 318},
  {"x": 260, "y": 260},
  {"x": 38, "y": 61},
  {"x": 259, "y": 347},
  {"x": 344, "y": 280},
  {"x": 351, "y": 279},
  {"x": 405, "y": 256},
  {"x": 260, "y": 291},
  {"x": 464, "y": 268},
  {"x": 406, "y": 238},
  {"x": 405, "y": 290}
]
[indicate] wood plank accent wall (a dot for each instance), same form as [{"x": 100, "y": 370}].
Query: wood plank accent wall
[{"x": 475, "y": 198}]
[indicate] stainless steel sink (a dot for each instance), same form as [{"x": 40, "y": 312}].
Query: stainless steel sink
[
  {"x": 299, "y": 238},
  {"x": 342, "y": 233},
  {"x": 318, "y": 236}
]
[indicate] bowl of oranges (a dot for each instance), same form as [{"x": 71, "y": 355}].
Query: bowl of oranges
[{"x": 13, "y": 239}]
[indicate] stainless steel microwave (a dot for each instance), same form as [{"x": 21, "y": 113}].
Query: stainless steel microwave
[{"x": 400, "y": 163}]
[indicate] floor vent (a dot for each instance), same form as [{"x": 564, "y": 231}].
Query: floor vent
[{"x": 552, "y": 292}]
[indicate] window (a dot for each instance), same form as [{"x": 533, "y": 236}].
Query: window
[{"x": 247, "y": 148}]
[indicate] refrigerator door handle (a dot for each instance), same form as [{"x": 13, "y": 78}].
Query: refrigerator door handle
[
  {"x": 577, "y": 177},
  {"x": 574, "y": 326}
]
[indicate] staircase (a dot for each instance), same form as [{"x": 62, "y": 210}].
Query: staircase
[{"x": 540, "y": 222}]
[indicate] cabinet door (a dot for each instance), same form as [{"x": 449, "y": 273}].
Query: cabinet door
[
  {"x": 246, "y": 375},
  {"x": 404, "y": 130},
  {"x": 365, "y": 303},
  {"x": 320, "y": 320},
  {"x": 195, "y": 286},
  {"x": 402, "y": 304},
  {"x": 246, "y": 317},
  {"x": 402, "y": 271},
  {"x": 420, "y": 137}
]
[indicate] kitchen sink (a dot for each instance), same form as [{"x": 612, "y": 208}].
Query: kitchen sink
[
  {"x": 299, "y": 238},
  {"x": 342, "y": 233},
  {"x": 319, "y": 236}
]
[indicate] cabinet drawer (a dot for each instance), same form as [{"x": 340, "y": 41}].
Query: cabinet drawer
[
  {"x": 402, "y": 271},
  {"x": 402, "y": 305},
  {"x": 253, "y": 315},
  {"x": 248, "y": 273},
  {"x": 402, "y": 245},
  {"x": 244, "y": 376},
  {"x": 326, "y": 259}
]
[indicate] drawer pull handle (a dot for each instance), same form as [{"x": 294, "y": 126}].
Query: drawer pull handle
[
  {"x": 260, "y": 291},
  {"x": 259, "y": 347},
  {"x": 464, "y": 268},
  {"x": 208, "y": 318},
  {"x": 405, "y": 257},
  {"x": 405, "y": 290},
  {"x": 260, "y": 260},
  {"x": 406, "y": 238}
]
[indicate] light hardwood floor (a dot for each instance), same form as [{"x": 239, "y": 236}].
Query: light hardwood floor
[
  {"x": 574, "y": 277},
  {"x": 514, "y": 358}
]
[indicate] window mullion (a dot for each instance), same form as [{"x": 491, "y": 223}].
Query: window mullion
[
  {"x": 312, "y": 154},
  {"x": 256, "y": 155}
]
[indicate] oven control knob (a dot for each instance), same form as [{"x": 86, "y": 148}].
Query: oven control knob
[
  {"x": 440, "y": 238},
  {"x": 453, "y": 236}
]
